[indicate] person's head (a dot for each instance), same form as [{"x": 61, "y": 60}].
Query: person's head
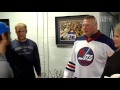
[
  {"x": 116, "y": 37},
  {"x": 21, "y": 31},
  {"x": 5, "y": 39},
  {"x": 89, "y": 25}
]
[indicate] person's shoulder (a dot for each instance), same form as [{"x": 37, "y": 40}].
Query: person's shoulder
[
  {"x": 104, "y": 38},
  {"x": 13, "y": 41},
  {"x": 31, "y": 41}
]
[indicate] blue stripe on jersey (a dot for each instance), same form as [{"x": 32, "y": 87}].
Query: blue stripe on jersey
[
  {"x": 70, "y": 69},
  {"x": 72, "y": 63},
  {"x": 103, "y": 39}
]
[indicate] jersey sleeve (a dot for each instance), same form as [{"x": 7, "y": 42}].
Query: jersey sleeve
[
  {"x": 110, "y": 48},
  {"x": 70, "y": 67}
]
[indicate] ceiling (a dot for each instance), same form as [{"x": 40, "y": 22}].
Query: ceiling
[{"x": 115, "y": 13}]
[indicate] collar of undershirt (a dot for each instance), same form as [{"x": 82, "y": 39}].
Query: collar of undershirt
[{"x": 93, "y": 37}]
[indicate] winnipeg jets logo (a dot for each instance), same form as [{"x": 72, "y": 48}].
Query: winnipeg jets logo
[{"x": 85, "y": 56}]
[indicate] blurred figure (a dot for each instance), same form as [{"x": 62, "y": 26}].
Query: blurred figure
[
  {"x": 25, "y": 54},
  {"x": 5, "y": 42},
  {"x": 90, "y": 52},
  {"x": 113, "y": 65}
]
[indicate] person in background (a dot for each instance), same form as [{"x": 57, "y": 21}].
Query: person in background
[
  {"x": 90, "y": 52},
  {"x": 25, "y": 54},
  {"x": 5, "y": 42},
  {"x": 112, "y": 68}
]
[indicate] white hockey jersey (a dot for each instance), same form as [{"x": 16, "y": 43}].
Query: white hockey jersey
[{"x": 89, "y": 56}]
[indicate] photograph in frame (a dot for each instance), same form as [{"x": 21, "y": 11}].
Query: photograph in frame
[{"x": 68, "y": 28}]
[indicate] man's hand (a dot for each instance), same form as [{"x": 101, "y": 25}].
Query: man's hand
[{"x": 113, "y": 76}]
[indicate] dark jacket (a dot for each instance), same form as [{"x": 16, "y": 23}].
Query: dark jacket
[
  {"x": 23, "y": 58},
  {"x": 112, "y": 65}
]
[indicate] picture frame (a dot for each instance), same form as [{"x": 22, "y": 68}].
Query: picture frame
[
  {"x": 6, "y": 21},
  {"x": 67, "y": 29},
  {"x": 111, "y": 34}
]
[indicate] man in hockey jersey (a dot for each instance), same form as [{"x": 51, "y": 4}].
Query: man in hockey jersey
[
  {"x": 90, "y": 52},
  {"x": 25, "y": 54}
]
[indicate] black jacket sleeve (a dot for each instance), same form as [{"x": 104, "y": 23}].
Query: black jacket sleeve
[
  {"x": 106, "y": 71},
  {"x": 37, "y": 63}
]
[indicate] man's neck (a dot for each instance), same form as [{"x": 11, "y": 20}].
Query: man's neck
[
  {"x": 93, "y": 34},
  {"x": 21, "y": 40},
  {"x": 2, "y": 49}
]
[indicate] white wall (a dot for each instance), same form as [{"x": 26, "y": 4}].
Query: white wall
[{"x": 41, "y": 29}]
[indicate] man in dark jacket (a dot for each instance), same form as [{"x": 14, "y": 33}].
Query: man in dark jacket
[{"x": 25, "y": 54}]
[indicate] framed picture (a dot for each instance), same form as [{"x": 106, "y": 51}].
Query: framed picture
[
  {"x": 6, "y": 21},
  {"x": 68, "y": 28}
]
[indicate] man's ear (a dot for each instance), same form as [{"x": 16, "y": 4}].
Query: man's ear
[
  {"x": 16, "y": 31},
  {"x": 3, "y": 36}
]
